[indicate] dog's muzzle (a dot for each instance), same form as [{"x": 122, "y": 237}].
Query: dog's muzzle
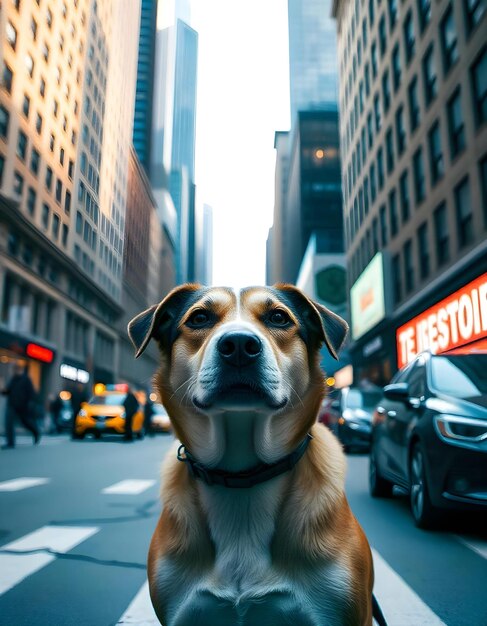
[{"x": 239, "y": 348}]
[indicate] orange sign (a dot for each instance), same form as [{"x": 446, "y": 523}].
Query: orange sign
[
  {"x": 39, "y": 352},
  {"x": 459, "y": 319}
]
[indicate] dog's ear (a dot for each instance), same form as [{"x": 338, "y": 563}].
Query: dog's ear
[
  {"x": 153, "y": 322},
  {"x": 330, "y": 327}
]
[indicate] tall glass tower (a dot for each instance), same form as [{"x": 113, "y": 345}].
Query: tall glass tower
[{"x": 313, "y": 69}]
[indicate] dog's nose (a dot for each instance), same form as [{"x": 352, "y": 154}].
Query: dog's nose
[{"x": 239, "y": 347}]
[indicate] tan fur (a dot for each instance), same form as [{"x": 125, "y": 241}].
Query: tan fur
[{"x": 314, "y": 524}]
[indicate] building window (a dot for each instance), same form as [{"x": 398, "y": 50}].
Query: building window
[
  {"x": 419, "y": 179},
  {"x": 442, "y": 235},
  {"x": 4, "y": 121},
  {"x": 33, "y": 29},
  {"x": 67, "y": 202},
  {"x": 383, "y": 225},
  {"x": 386, "y": 91},
  {"x": 400, "y": 131},
  {"x": 34, "y": 162},
  {"x": 474, "y": 11},
  {"x": 52, "y": 141},
  {"x": 456, "y": 126},
  {"x": 48, "y": 178},
  {"x": 408, "y": 265},
  {"x": 18, "y": 187},
  {"x": 55, "y": 108},
  {"x": 404, "y": 194},
  {"x": 396, "y": 67},
  {"x": 45, "y": 51},
  {"x": 29, "y": 64},
  {"x": 7, "y": 78},
  {"x": 409, "y": 40},
  {"x": 79, "y": 223},
  {"x": 396, "y": 278},
  {"x": 429, "y": 75},
  {"x": 11, "y": 34},
  {"x": 393, "y": 12},
  {"x": 479, "y": 88},
  {"x": 38, "y": 123},
  {"x": 373, "y": 189},
  {"x": 449, "y": 40},
  {"x": 26, "y": 106},
  {"x": 45, "y": 215},
  {"x": 382, "y": 36},
  {"x": 373, "y": 59},
  {"x": 21, "y": 145},
  {"x": 370, "y": 131},
  {"x": 377, "y": 113},
  {"x": 437, "y": 165},
  {"x": 463, "y": 204},
  {"x": 380, "y": 167},
  {"x": 65, "y": 235},
  {"x": 59, "y": 190},
  {"x": 414, "y": 112},
  {"x": 42, "y": 87},
  {"x": 393, "y": 217},
  {"x": 31, "y": 200},
  {"x": 61, "y": 156},
  {"x": 367, "y": 79},
  {"x": 423, "y": 250},
  {"x": 55, "y": 225},
  {"x": 389, "y": 151},
  {"x": 70, "y": 169},
  {"x": 424, "y": 12},
  {"x": 49, "y": 18}
]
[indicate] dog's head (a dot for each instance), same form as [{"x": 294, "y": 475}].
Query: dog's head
[{"x": 253, "y": 352}]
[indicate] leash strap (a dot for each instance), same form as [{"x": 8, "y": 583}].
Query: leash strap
[
  {"x": 242, "y": 480},
  {"x": 377, "y": 612}
]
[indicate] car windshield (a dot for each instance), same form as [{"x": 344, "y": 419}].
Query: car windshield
[
  {"x": 358, "y": 399},
  {"x": 460, "y": 375},
  {"x": 112, "y": 399}
]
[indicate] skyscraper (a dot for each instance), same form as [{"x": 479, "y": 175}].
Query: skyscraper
[
  {"x": 145, "y": 83},
  {"x": 313, "y": 69}
]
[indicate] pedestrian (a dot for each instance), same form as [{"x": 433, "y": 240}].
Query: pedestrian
[
  {"x": 148, "y": 412},
  {"x": 55, "y": 407},
  {"x": 131, "y": 406},
  {"x": 78, "y": 397},
  {"x": 21, "y": 405}
]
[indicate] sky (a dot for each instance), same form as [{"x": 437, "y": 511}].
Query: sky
[{"x": 243, "y": 98}]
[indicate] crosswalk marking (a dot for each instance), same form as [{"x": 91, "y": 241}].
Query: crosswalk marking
[
  {"x": 477, "y": 545},
  {"x": 16, "y": 484},
  {"x": 400, "y": 604},
  {"x": 140, "y": 610},
  {"x": 15, "y": 567},
  {"x": 129, "y": 487}
]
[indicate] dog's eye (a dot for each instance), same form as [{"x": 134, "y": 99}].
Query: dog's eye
[
  {"x": 198, "y": 319},
  {"x": 279, "y": 318}
]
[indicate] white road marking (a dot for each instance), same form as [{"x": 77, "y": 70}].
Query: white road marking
[
  {"x": 15, "y": 567},
  {"x": 140, "y": 610},
  {"x": 16, "y": 484},
  {"x": 129, "y": 487},
  {"x": 400, "y": 604},
  {"x": 477, "y": 545}
]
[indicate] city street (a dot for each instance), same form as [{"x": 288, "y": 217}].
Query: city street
[{"x": 77, "y": 518}]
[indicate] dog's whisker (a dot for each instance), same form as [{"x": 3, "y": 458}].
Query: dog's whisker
[{"x": 189, "y": 380}]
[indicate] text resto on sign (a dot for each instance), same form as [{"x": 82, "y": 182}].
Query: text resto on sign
[{"x": 459, "y": 319}]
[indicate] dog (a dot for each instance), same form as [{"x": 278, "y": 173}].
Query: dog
[{"x": 255, "y": 528}]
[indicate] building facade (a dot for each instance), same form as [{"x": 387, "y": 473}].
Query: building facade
[
  {"x": 313, "y": 73},
  {"x": 66, "y": 110},
  {"x": 413, "y": 128}
]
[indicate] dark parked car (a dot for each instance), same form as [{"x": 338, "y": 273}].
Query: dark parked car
[
  {"x": 430, "y": 435},
  {"x": 350, "y": 416}
]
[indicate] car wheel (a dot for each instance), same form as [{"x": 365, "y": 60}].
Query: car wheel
[
  {"x": 378, "y": 487},
  {"x": 75, "y": 435},
  {"x": 97, "y": 435},
  {"x": 425, "y": 514}
]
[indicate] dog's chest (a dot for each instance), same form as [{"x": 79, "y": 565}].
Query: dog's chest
[{"x": 242, "y": 524}]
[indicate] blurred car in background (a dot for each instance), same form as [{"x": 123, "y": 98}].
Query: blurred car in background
[
  {"x": 430, "y": 435},
  {"x": 160, "y": 421},
  {"x": 325, "y": 413},
  {"x": 104, "y": 413},
  {"x": 350, "y": 416},
  {"x": 65, "y": 420}
]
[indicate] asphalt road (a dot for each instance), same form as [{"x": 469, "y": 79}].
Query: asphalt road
[{"x": 74, "y": 536}]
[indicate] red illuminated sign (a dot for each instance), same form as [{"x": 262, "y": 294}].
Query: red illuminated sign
[
  {"x": 459, "y": 319},
  {"x": 39, "y": 352}
]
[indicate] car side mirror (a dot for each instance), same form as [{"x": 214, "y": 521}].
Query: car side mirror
[{"x": 399, "y": 392}]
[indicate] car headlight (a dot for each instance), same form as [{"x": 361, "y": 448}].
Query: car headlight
[
  {"x": 82, "y": 413},
  {"x": 461, "y": 431}
]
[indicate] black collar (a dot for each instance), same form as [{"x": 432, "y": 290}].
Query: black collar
[{"x": 248, "y": 478}]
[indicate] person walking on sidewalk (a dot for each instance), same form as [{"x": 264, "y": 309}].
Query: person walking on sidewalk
[{"x": 21, "y": 397}]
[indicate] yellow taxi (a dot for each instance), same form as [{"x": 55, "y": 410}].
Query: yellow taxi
[{"x": 104, "y": 413}]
